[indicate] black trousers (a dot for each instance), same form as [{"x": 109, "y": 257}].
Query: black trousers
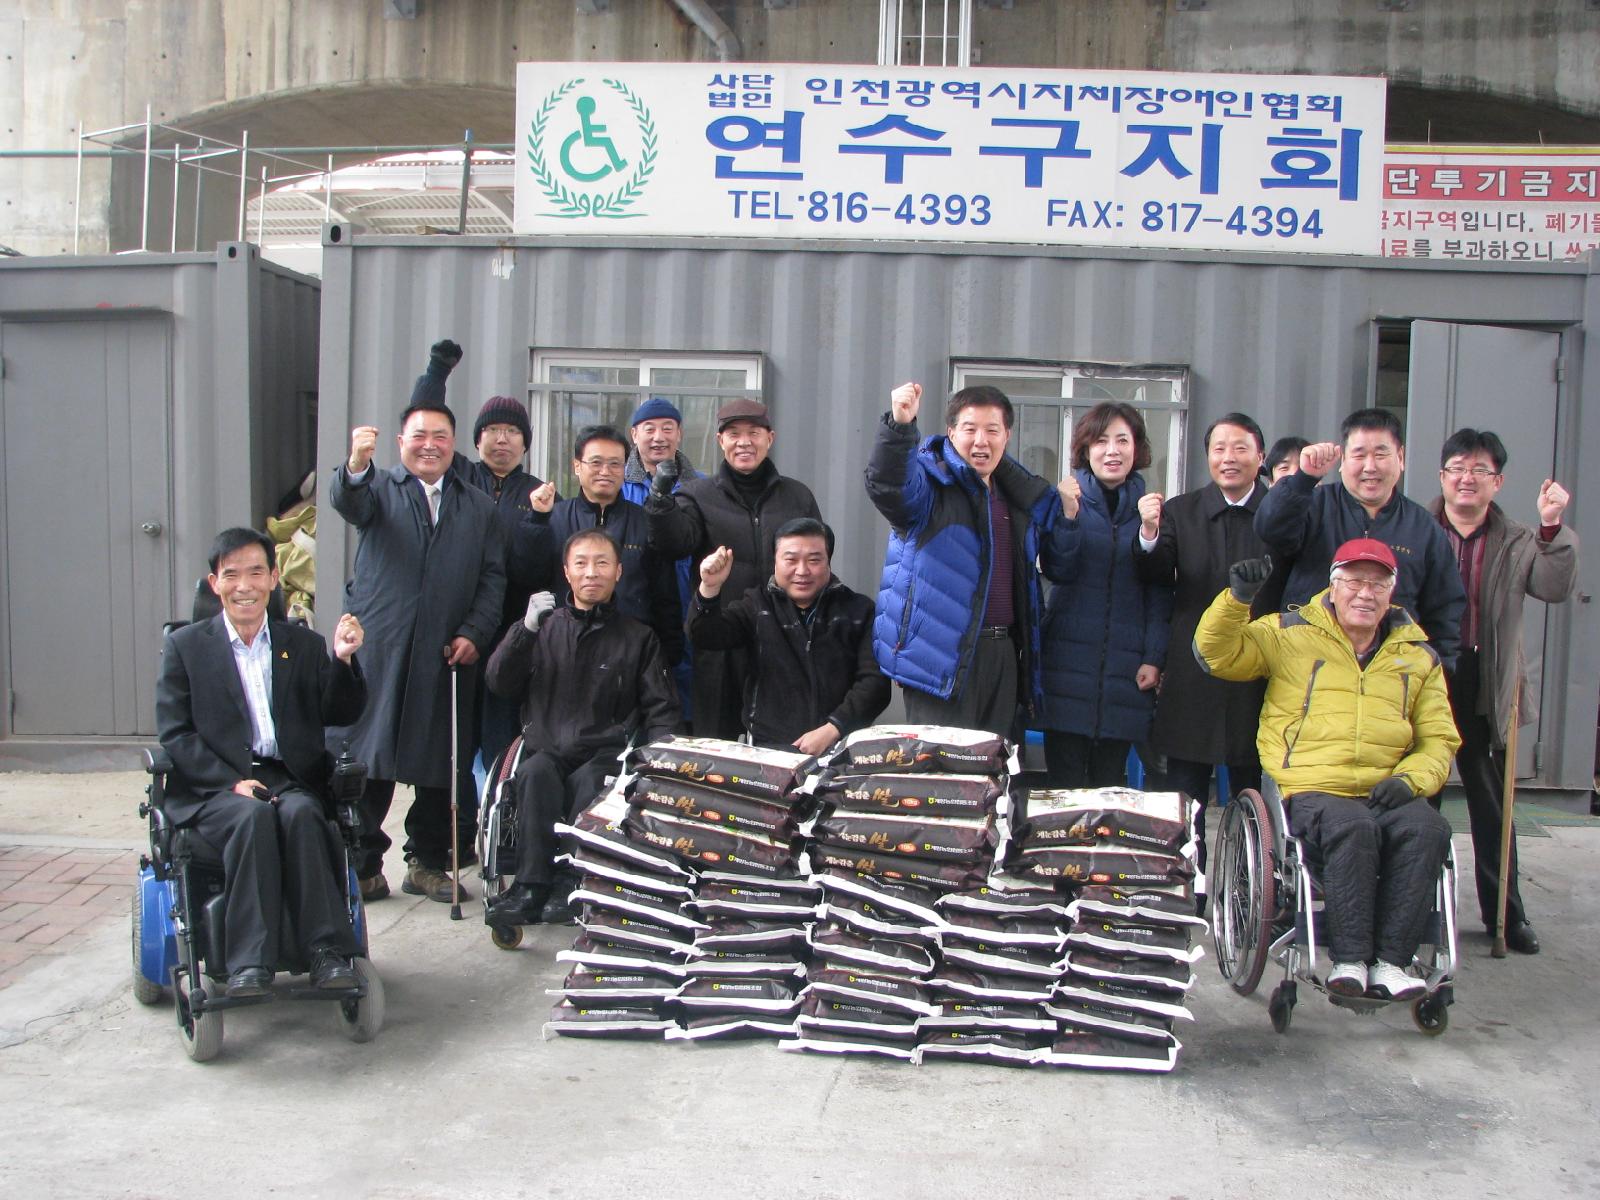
[
  {"x": 552, "y": 788},
  {"x": 1073, "y": 760},
  {"x": 427, "y": 827},
  {"x": 987, "y": 702},
  {"x": 1378, "y": 868},
  {"x": 278, "y": 860},
  {"x": 1193, "y": 779},
  {"x": 1483, "y": 772}
]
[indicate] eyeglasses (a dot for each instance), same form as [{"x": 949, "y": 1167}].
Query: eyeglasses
[
  {"x": 602, "y": 464},
  {"x": 1374, "y": 587},
  {"x": 1456, "y": 472}
]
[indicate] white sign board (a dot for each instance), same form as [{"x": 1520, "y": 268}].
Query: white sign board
[
  {"x": 1102, "y": 158},
  {"x": 1490, "y": 203}
]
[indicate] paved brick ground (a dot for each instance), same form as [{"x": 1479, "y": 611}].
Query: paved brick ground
[{"x": 51, "y": 897}]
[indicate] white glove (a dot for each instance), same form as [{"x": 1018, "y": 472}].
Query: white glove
[{"x": 540, "y": 606}]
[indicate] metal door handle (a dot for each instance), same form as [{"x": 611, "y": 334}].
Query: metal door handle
[{"x": 151, "y": 528}]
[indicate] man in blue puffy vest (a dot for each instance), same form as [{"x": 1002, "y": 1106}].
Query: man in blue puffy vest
[{"x": 959, "y": 601}]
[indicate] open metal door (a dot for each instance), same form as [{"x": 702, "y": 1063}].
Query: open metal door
[{"x": 1506, "y": 380}]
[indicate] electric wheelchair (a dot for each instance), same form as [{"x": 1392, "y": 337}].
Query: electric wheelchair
[
  {"x": 177, "y": 918},
  {"x": 1265, "y": 905}
]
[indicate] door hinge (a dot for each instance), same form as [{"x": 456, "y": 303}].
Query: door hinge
[
  {"x": 2, "y": 366},
  {"x": 11, "y": 706},
  {"x": 1538, "y": 757},
  {"x": 1561, "y": 371}
]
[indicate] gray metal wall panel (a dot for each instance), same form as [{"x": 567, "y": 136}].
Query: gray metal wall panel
[
  {"x": 1287, "y": 339},
  {"x": 213, "y": 382}
]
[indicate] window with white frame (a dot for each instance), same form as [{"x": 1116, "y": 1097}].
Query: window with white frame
[
  {"x": 569, "y": 389},
  {"x": 1050, "y": 397}
]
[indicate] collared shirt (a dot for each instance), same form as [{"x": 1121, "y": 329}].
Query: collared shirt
[
  {"x": 1469, "y": 561},
  {"x": 254, "y": 663},
  {"x": 1000, "y": 606},
  {"x": 433, "y": 493}
]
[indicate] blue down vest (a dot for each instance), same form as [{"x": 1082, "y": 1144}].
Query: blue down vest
[{"x": 935, "y": 580}]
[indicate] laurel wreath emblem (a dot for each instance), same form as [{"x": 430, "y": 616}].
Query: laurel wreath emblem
[{"x": 570, "y": 204}]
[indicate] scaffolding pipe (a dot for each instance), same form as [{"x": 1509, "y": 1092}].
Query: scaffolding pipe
[
  {"x": 144, "y": 223},
  {"x": 244, "y": 153},
  {"x": 466, "y": 180},
  {"x": 77, "y": 193}
]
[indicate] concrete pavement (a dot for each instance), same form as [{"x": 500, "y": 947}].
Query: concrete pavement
[{"x": 459, "y": 1097}]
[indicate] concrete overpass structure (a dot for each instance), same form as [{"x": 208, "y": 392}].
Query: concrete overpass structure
[{"x": 357, "y": 73}]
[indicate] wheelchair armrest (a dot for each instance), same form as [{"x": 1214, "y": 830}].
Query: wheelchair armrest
[{"x": 156, "y": 760}]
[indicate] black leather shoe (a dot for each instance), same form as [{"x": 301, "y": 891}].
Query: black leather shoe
[
  {"x": 519, "y": 904},
  {"x": 249, "y": 981},
  {"x": 1522, "y": 939},
  {"x": 331, "y": 972},
  {"x": 558, "y": 910}
]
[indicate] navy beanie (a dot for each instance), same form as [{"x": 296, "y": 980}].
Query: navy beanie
[
  {"x": 502, "y": 410},
  {"x": 656, "y": 409}
]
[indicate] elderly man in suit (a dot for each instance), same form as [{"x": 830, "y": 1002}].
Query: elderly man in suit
[{"x": 241, "y": 705}]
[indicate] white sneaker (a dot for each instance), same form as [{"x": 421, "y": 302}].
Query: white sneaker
[
  {"x": 1348, "y": 979},
  {"x": 1394, "y": 981}
]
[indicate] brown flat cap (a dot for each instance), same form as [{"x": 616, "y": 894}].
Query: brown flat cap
[{"x": 743, "y": 410}]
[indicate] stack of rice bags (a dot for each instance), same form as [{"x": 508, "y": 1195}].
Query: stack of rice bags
[
  {"x": 727, "y": 816},
  {"x": 907, "y": 814},
  {"x": 1125, "y": 860}
]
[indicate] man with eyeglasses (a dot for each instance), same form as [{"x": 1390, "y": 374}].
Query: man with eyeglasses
[
  {"x": 1303, "y": 523},
  {"x": 648, "y": 588},
  {"x": 1502, "y": 561},
  {"x": 1355, "y": 729}
]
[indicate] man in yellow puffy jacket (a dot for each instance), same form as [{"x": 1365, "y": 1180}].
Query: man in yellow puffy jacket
[{"x": 1355, "y": 729}]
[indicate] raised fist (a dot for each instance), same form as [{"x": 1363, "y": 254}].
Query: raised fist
[
  {"x": 1247, "y": 578},
  {"x": 714, "y": 571},
  {"x": 543, "y": 497},
  {"x": 363, "y": 441},
  {"x": 1071, "y": 494},
  {"x": 1150, "y": 515},
  {"x": 905, "y": 402},
  {"x": 1319, "y": 458},
  {"x": 540, "y": 606},
  {"x": 1552, "y": 502}
]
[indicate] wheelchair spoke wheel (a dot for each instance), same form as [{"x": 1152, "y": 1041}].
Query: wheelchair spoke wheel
[
  {"x": 1244, "y": 895},
  {"x": 360, "y": 1017},
  {"x": 200, "y": 1033},
  {"x": 144, "y": 991}
]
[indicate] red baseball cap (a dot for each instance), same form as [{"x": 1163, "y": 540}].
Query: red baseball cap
[{"x": 1365, "y": 550}]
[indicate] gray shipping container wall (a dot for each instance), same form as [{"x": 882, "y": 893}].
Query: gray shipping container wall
[
  {"x": 148, "y": 401},
  {"x": 1292, "y": 340}
]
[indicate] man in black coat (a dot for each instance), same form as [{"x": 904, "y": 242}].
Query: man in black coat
[
  {"x": 1188, "y": 543},
  {"x": 648, "y": 589},
  {"x": 589, "y": 677},
  {"x": 429, "y": 580},
  {"x": 813, "y": 676},
  {"x": 741, "y": 507},
  {"x": 501, "y": 434},
  {"x": 241, "y": 706},
  {"x": 1299, "y": 520}
]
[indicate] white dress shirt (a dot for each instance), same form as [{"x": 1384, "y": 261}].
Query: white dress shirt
[{"x": 255, "y": 673}]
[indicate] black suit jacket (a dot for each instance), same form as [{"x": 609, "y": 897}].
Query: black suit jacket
[{"x": 203, "y": 720}]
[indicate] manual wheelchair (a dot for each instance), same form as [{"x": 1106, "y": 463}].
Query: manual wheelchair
[
  {"x": 1265, "y": 904},
  {"x": 178, "y": 927}
]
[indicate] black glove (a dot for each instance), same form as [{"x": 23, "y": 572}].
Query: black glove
[
  {"x": 1247, "y": 578},
  {"x": 666, "y": 477},
  {"x": 1392, "y": 793},
  {"x": 442, "y": 358}
]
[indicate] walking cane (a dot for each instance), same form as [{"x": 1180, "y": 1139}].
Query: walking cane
[
  {"x": 455, "y": 831},
  {"x": 1508, "y": 797}
]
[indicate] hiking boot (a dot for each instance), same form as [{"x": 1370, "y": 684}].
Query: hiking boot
[
  {"x": 430, "y": 882},
  {"x": 1348, "y": 979},
  {"x": 1393, "y": 982}
]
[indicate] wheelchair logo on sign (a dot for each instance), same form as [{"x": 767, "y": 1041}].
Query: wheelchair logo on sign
[{"x": 592, "y": 151}]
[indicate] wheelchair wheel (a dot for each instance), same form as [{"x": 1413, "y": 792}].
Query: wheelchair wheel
[
  {"x": 1431, "y": 1015},
  {"x": 200, "y": 1033},
  {"x": 507, "y": 937},
  {"x": 144, "y": 991},
  {"x": 360, "y": 1017},
  {"x": 1244, "y": 898}
]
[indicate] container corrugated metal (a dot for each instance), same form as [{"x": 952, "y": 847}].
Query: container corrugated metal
[{"x": 1289, "y": 339}]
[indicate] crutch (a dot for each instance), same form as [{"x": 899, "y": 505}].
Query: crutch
[
  {"x": 1508, "y": 797},
  {"x": 455, "y": 804}
]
